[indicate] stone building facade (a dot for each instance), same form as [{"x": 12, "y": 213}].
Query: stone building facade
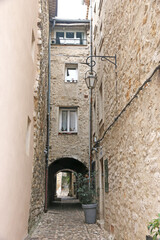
[
  {"x": 69, "y": 94},
  {"x": 46, "y": 11},
  {"x": 126, "y": 115},
  {"x": 125, "y": 111},
  {"x": 40, "y": 113}
]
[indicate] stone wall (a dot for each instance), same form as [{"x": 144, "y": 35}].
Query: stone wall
[
  {"x": 129, "y": 30},
  {"x": 66, "y": 94},
  {"x": 40, "y": 116},
  {"x": 131, "y": 148}
]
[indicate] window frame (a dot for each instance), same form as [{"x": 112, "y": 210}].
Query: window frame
[
  {"x": 101, "y": 103},
  {"x": 69, "y": 110},
  {"x": 70, "y": 33},
  {"x": 71, "y": 65},
  {"x": 71, "y": 41},
  {"x": 94, "y": 117},
  {"x": 58, "y": 38},
  {"x": 106, "y": 175}
]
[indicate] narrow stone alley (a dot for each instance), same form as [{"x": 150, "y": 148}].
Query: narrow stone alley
[{"x": 65, "y": 221}]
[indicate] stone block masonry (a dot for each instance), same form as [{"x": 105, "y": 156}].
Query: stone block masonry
[
  {"x": 69, "y": 94},
  {"x": 130, "y": 30},
  {"x": 40, "y": 116},
  {"x": 134, "y": 170}
]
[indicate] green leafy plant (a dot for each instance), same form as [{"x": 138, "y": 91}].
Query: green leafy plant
[
  {"x": 65, "y": 180},
  {"x": 154, "y": 228},
  {"x": 86, "y": 193}
]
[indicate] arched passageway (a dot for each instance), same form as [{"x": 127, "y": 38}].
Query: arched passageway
[{"x": 62, "y": 165}]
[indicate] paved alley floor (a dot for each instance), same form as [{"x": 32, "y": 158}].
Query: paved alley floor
[{"x": 65, "y": 221}]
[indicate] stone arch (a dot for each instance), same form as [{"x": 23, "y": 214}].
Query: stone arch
[{"x": 58, "y": 165}]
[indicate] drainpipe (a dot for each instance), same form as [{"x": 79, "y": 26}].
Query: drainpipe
[{"x": 48, "y": 122}]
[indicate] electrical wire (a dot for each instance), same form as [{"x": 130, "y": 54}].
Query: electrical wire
[{"x": 128, "y": 104}]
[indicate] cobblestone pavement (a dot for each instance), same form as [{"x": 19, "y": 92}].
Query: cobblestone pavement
[{"x": 65, "y": 221}]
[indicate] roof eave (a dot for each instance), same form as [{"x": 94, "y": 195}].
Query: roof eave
[{"x": 68, "y": 21}]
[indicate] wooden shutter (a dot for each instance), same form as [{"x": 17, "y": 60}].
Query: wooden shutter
[{"x": 106, "y": 176}]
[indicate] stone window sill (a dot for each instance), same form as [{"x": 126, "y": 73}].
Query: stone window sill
[
  {"x": 74, "y": 81},
  {"x": 67, "y": 133}
]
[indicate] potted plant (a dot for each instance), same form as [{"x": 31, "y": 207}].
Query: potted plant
[
  {"x": 154, "y": 228},
  {"x": 87, "y": 196}
]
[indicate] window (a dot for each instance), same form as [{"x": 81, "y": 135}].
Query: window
[
  {"x": 100, "y": 6},
  {"x": 94, "y": 117},
  {"x": 106, "y": 176},
  {"x": 28, "y": 136},
  {"x": 100, "y": 27},
  {"x": 68, "y": 120},
  {"x": 71, "y": 73},
  {"x": 95, "y": 31},
  {"x": 80, "y": 36},
  {"x": 95, "y": 8},
  {"x": 59, "y": 36},
  {"x": 69, "y": 34},
  {"x": 101, "y": 43},
  {"x": 69, "y": 37},
  {"x": 101, "y": 38},
  {"x": 101, "y": 103},
  {"x": 33, "y": 45}
]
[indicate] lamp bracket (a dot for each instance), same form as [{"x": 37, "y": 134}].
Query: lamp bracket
[
  {"x": 91, "y": 63},
  {"x": 96, "y": 148}
]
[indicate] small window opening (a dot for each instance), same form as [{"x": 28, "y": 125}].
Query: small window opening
[
  {"x": 71, "y": 73},
  {"x": 33, "y": 45},
  {"x": 28, "y": 136}
]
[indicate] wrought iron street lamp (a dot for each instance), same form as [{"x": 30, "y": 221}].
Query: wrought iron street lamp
[{"x": 91, "y": 80}]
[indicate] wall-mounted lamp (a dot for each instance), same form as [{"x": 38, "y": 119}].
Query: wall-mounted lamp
[
  {"x": 91, "y": 79},
  {"x": 91, "y": 62},
  {"x": 96, "y": 148}
]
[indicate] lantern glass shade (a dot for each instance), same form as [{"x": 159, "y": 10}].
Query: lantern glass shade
[{"x": 91, "y": 81}]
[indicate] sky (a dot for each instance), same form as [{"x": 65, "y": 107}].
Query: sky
[{"x": 71, "y": 9}]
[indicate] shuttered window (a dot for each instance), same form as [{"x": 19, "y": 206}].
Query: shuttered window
[{"x": 106, "y": 176}]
